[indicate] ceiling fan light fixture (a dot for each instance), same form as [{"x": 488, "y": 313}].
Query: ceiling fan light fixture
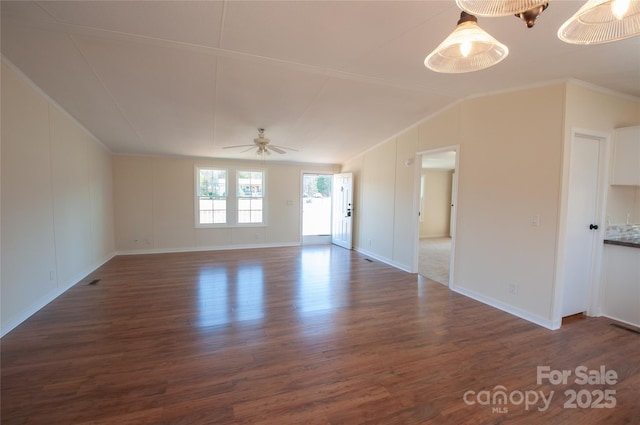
[
  {"x": 602, "y": 21},
  {"x": 262, "y": 146},
  {"x": 468, "y": 48},
  {"x": 527, "y": 10},
  {"x": 529, "y": 16},
  {"x": 496, "y": 8}
]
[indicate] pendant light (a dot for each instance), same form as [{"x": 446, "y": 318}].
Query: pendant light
[
  {"x": 602, "y": 21},
  {"x": 468, "y": 48},
  {"x": 527, "y": 10}
]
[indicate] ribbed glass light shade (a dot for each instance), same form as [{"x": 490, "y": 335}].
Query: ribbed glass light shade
[
  {"x": 493, "y": 8},
  {"x": 596, "y": 22},
  {"x": 483, "y": 50}
]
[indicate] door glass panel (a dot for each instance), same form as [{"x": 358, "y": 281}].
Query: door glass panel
[{"x": 316, "y": 204}]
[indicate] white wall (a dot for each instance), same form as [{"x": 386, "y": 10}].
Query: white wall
[
  {"x": 385, "y": 218},
  {"x": 155, "y": 202},
  {"x": 505, "y": 176},
  {"x": 57, "y": 206},
  {"x": 623, "y": 202},
  {"x": 509, "y": 171},
  {"x": 404, "y": 210}
]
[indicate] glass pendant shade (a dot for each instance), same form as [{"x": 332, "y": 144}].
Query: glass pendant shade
[
  {"x": 468, "y": 48},
  {"x": 494, "y": 8},
  {"x": 602, "y": 21}
]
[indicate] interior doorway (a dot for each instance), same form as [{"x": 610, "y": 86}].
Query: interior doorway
[
  {"x": 316, "y": 208},
  {"x": 437, "y": 213}
]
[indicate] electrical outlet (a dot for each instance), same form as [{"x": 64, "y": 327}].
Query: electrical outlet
[{"x": 513, "y": 289}]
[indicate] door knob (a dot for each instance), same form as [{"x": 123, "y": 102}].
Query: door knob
[{"x": 593, "y": 226}]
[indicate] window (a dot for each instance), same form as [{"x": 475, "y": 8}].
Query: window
[
  {"x": 229, "y": 197},
  {"x": 250, "y": 196},
  {"x": 211, "y": 193}
]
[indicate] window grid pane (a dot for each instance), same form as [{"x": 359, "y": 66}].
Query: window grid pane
[
  {"x": 250, "y": 184},
  {"x": 213, "y": 211},
  {"x": 206, "y": 217},
  {"x": 212, "y": 193},
  {"x": 249, "y": 210},
  {"x": 250, "y": 194},
  {"x": 244, "y": 217}
]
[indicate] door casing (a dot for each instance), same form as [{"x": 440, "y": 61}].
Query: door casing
[{"x": 454, "y": 210}]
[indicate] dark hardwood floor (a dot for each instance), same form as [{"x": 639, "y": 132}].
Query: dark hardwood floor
[{"x": 310, "y": 335}]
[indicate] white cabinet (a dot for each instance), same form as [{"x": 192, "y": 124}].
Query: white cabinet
[
  {"x": 626, "y": 156},
  {"x": 621, "y": 284}
]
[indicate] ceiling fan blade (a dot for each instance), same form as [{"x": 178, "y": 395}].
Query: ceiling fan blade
[
  {"x": 283, "y": 148},
  {"x": 275, "y": 149},
  {"x": 238, "y": 146}
]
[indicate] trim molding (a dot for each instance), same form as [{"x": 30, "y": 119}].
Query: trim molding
[
  {"x": 538, "y": 320},
  {"x": 205, "y": 248},
  {"x": 385, "y": 260},
  {"x": 47, "y": 298},
  {"x": 636, "y": 325}
]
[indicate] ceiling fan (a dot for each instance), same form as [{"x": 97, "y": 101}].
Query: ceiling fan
[{"x": 263, "y": 145}]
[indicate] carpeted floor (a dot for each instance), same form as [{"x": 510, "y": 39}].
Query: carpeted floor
[{"x": 435, "y": 254}]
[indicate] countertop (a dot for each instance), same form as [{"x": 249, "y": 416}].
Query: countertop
[
  {"x": 632, "y": 241},
  {"x": 623, "y": 234}
]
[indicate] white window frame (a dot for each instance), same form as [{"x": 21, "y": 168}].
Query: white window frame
[
  {"x": 232, "y": 197},
  {"x": 197, "y": 196},
  {"x": 238, "y": 197}
]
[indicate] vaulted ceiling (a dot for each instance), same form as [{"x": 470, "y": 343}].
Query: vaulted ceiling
[{"x": 328, "y": 78}]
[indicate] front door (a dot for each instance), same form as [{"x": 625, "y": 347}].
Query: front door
[{"x": 342, "y": 210}]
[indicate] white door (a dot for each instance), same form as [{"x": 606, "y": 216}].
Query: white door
[
  {"x": 582, "y": 223},
  {"x": 342, "y": 210}
]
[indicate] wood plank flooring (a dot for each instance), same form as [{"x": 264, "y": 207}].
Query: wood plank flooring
[{"x": 302, "y": 335}]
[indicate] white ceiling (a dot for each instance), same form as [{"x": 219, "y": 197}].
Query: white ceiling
[{"x": 329, "y": 78}]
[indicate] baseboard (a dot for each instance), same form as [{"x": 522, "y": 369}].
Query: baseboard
[
  {"x": 385, "y": 260},
  {"x": 206, "y": 248},
  {"x": 435, "y": 236},
  {"x": 637, "y": 325},
  {"x": 47, "y": 298},
  {"x": 533, "y": 318}
]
